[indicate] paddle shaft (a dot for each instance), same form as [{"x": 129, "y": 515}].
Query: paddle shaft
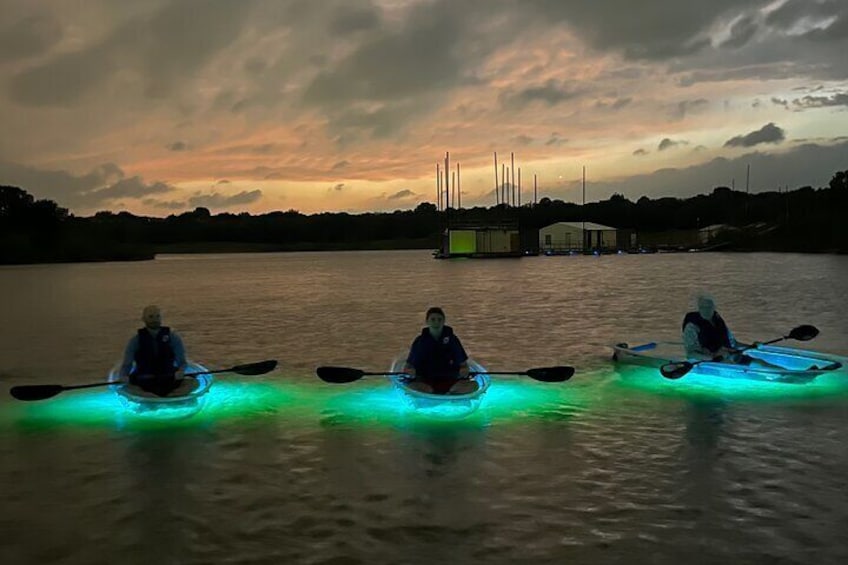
[
  {"x": 470, "y": 374},
  {"x": 106, "y": 383},
  {"x": 801, "y": 333}
]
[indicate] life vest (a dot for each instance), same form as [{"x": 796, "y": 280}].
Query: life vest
[
  {"x": 154, "y": 355},
  {"x": 711, "y": 335},
  {"x": 436, "y": 358}
]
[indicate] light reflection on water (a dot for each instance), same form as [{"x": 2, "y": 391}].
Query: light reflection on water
[{"x": 616, "y": 465}]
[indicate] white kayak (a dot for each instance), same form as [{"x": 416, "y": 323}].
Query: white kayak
[
  {"x": 442, "y": 405},
  {"x": 770, "y": 362},
  {"x": 186, "y": 399}
]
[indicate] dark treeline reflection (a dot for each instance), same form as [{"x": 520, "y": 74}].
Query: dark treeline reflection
[{"x": 31, "y": 231}]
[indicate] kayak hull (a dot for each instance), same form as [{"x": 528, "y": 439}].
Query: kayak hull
[
  {"x": 181, "y": 405},
  {"x": 771, "y": 363},
  {"x": 442, "y": 405}
]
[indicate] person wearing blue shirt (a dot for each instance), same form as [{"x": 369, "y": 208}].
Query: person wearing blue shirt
[
  {"x": 437, "y": 362},
  {"x": 154, "y": 359}
]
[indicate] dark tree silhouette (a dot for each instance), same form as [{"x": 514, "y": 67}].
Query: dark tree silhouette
[{"x": 31, "y": 230}]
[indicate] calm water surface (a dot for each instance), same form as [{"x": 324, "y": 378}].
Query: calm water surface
[{"x": 615, "y": 466}]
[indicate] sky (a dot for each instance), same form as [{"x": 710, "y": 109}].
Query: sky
[{"x": 161, "y": 106}]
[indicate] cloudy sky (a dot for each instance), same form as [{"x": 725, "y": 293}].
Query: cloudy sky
[{"x": 256, "y": 105}]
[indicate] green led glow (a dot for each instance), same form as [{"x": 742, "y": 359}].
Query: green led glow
[
  {"x": 507, "y": 399},
  {"x": 304, "y": 403},
  {"x": 376, "y": 402},
  {"x": 105, "y": 408},
  {"x": 463, "y": 241},
  {"x": 701, "y": 386}
]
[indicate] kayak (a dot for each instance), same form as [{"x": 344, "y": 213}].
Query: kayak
[
  {"x": 442, "y": 405},
  {"x": 185, "y": 401},
  {"x": 782, "y": 364}
]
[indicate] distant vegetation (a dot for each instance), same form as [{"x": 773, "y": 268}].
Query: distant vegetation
[{"x": 33, "y": 231}]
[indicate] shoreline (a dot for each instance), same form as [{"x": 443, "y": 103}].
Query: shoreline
[{"x": 235, "y": 248}]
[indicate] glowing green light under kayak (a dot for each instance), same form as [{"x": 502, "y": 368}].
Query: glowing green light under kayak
[
  {"x": 103, "y": 408},
  {"x": 708, "y": 386}
]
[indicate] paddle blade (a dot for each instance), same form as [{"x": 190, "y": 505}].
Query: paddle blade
[
  {"x": 551, "y": 374},
  {"x": 253, "y": 369},
  {"x": 676, "y": 370},
  {"x": 35, "y": 392},
  {"x": 804, "y": 333},
  {"x": 339, "y": 375}
]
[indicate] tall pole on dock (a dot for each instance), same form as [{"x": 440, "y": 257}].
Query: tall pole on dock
[
  {"x": 534, "y": 189},
  {"x": 519, "y": 187},
  {"x": 583, "y": 208},
  {"x": 748, "y": 179},
  {"x": 447, "y": 181},
  {"x": 458, "y": 189},
  {"x": 512, "y": 178},
  {"x": 438, "y": 194},
  {"x": 453, "y": 188},
  {"x": 503, "y": 183},
  {"x": 497, "y": 186},
  {"x": 747, "y": 188}
]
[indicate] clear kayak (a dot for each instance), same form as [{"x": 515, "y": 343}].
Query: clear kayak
[
  {"x": 185, "y": 401},
  {"x": 770, "y": 362},
  {"x": 442, "y": 405}
]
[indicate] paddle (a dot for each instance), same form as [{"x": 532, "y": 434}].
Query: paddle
[
  {"x": 341, "y": 375},
  {"x": 676, "y": 370},
  {"x": 43, "y": 392}
]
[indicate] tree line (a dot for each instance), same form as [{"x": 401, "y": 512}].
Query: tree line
[{"x": 33, "y": 230}]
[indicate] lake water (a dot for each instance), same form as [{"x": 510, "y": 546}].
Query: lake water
[{"x": 614, "y": 466}]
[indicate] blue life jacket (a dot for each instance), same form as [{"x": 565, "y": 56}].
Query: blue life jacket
[
  {"x": 712, "y": 336},
  {"x": 437, "y": 359},
  {"x": 154, "y": 355}
]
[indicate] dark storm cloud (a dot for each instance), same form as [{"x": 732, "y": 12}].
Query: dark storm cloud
[
  {"x": 248, "y": 149},
  {"x": 165, "y": 204},
  {"x": 178, "y": 146},
  {"x": 340, "y": 165},
  {"x": 397, "y": 69},
  {"x": 164, "y": 48},
  {"x": 640, "y": 153},
  {"x": 621, "y": 103},
  {"x": 218, "y": 200},
  {"x": 550, "y": 93},
  {"x": 667, "y": 143},
  {"x": 667, "y": 28},
  {"x": 769, "y": 133},
  {"x": 839, "y": 99},
  {"x": 766, "y": 71},
  {"x": 792, "y": 12},
  {"x": 419, "y": 57},
  {"x": 555, "y": 140},
  {"x": 809, "y": 164},
  {"x": 741, "y": 32},
  {"x": 351, "y": 19},
  {"x": 406, "y": 193},
  {"x": 687, "y": 107},
  {"x": 379, "y": 122},
  {"x": 133, "y": 187},
  {"x": 28, "y": 37},
  {"x": 103, "y": 184}
]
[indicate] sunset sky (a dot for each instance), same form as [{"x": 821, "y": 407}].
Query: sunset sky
[{"x": 159, "y": 106}]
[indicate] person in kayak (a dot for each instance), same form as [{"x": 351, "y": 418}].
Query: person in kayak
[
  {"x": 154, "y": 359},
  {"x": 706, "y": 335},
  {"x": 437, "y": 362}
]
